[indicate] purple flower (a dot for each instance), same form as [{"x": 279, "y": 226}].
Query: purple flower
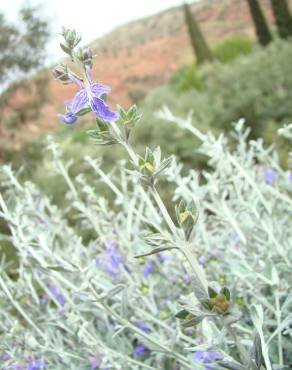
[
  {"x": 143, "y": 326},
  {"x": 216, "y": 252},
  {"x": 4, "y": 356},
  {"x": 290, "y": 176},
  {"x": 18, "y": 367},
  {"x": 269, "y": 175},
  {"x": 187, "y": 278},
  {"x": 110, "y": 259},
  {"x": 164, "y": 257},
  {"x": 36, "y": 365},
  {"x": 148, "y": 268},
  {"x": 110, "y": 243},
  {"x": 233, "y": 235},
  {"x": 206, "y": 357},
  {"x": 88, "y": 96},
  {"x": 69, "y": 118},
  {"x": 139, "y": 349},
  {"x": 202, "y": 260},
  {"x": 56, "y": 292},
  {"x": 95, "y": 361}
]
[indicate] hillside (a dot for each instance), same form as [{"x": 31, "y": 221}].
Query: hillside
[{"x": 139, "y": 56}]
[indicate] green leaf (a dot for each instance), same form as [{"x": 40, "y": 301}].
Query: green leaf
[
  {"x": 65, "y": 48},
  {"x": 225, "y": 291},
  {"x": 122, "y": 112},
  {"x": 155, "y": 250},
  {"x": 116, "y": 290},
  {"x": 193, "y": 322},
  {"x": 212, "y": 293},
  {"x": 231, "y": 365},
  {"x": 257, "y": 352},
  {"x": 60, "y": 269},
  {"x": 182, "y": 314}
]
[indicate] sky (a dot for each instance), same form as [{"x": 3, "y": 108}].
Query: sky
[{"x": 93, "y": 18}]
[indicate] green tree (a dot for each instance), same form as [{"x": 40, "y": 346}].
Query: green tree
[
  {"x": 282, "y": 17},
  {"x": 199, "y": 44},
  {"x": 22, "y": 51},
  {"x": 262, "y": 30},
  {"x": 22, "y": 47}
]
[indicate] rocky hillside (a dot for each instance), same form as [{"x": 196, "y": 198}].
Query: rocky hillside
[{"x": 139, "y": 56}]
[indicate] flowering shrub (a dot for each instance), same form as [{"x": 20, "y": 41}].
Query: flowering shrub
[{"x": 205, "y": 285}]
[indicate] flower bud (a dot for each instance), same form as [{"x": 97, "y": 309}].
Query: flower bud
[
  {"x": 72, "y": 37},
  {"x": 187, "y": 216},
  {"x": 86, "y": 57},
  {"x": 61, "y": 73},
  {"x": 87, "y": 54}
]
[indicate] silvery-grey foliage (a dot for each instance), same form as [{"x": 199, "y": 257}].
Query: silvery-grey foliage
[{"x": 81, "y": 305}]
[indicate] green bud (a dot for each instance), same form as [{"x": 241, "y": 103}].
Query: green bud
[
  {"x": 72, "y": 39},
  {"x": 130, "y": 117},
  {"x": 187, "y": 216}
]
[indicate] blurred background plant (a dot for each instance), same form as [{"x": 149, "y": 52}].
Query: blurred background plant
[{"x": 22, "y": 53}]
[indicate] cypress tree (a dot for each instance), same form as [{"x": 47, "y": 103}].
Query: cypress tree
[
  {"x": 262, "y": 30},
  {"x": 199, "y": 44},
  {"x": 282, "y": 17}
]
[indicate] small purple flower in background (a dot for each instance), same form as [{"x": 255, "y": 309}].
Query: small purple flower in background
[
  {"x": 206, "y": 357},
  {"x": 81, "y": 251},
  {"x": 139, "y": 349},
  {"x": 187, "y": 278},
  {"x": 61, "y": 311},
  {"x": 233, "y": 235},
  {"x": 19, "y": 367},
  {"x": 88, "y": 96},
  {"x": 110, "y": 259},
  {"x": 56, "y": 292},
  {"x": 36, "y": 365},
  {"x": 290, "y": 176},
  {"x": 111, "y": 243},
  {"x": 95, "y": 361},
  {"x": 148, "y": 268},
  {"x": 4, "y": 356},
  {"x": 216, "y": 253},
  {"x": 164, "y": 257},
  {"x": 143, "y": 326},
  {"x": 202, "y": 260},
  {"x": 269, "y": 175}
]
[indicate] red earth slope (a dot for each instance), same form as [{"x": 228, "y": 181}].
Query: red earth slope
[{"x": 139, "y": 56}]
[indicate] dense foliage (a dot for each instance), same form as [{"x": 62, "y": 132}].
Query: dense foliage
[
  {"x": 232, "y": 48},
  {"x": 22, "y": 47},
  {"x": 71, "y": 301},
  {"x": 23, "y": 52}
]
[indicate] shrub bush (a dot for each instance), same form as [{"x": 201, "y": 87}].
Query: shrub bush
[
  {"x": 232, "y": 48},
  {"x": 256, "y": 87},
  {"x": 79, "y": 303},
  {"x": 186, "y": 78}
]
